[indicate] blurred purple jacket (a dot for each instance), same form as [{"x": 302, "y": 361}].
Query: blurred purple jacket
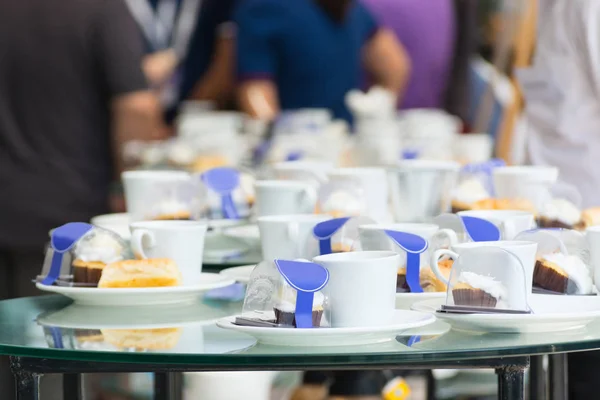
[{"x": 426, "y": 29}]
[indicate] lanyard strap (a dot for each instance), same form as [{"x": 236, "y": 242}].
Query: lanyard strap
[{"x": 166, "y": 28}]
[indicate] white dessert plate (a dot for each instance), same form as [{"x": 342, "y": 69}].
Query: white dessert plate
[
  {"x": 403, "y": 320},
  {"x": 239, "y": 274},
  {"x": 141, "y": 296},
  {"x": 404, "y": 300},
  {"x": 551, "y": 313},
  {"x": 247, "y": 234}
]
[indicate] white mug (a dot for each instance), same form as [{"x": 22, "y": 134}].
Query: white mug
[
  {"x": 140, "y": 187},
  {"x": 529, "y": 182},
  {"x": 181, "y": 241},
  {"x": 362, "y": 287},
  {"x": 289, "y": 236},
  {"x": 592, "y": 235},
  {"x": 524, "y": 251},
  {"x": 510, "y": 222},
  {"x": 374, "y": 184},
  {"x": 284, "y": 198}
]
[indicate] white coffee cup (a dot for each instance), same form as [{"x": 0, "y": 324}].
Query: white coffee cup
[
  {"x": 592, "y": 235},
  {"x": 362, "y": 287},
  {"x": 510, "y": 222},
  {"x": 284, "y": 198},
  {"x": 181, "y": 241},
  {"x": 140, "y": 188},
  {"x": 527, "y": 182},
  {"x": 303, "y": 170},
  {"x": 524, "y": 251},
  {"x": 374, "y": 184},
  {"x": 289, "y": 236},
  {"x": 473, "y": 147}
]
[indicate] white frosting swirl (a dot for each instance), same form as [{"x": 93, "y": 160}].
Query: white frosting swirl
[
  {"x": 577, "y": 271},
  {"x": 470, "y": 191},
  {"x": 99, "y": 246},
  {"x": 561, "y": 210},
  {"x": 486, "y": 283}
]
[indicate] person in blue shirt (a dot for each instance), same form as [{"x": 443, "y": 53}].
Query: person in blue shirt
[
  {"x": 296, "y": 54},
  {"x": 189, "y": 45}
]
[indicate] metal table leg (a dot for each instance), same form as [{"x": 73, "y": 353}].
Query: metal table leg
[
  {"x": 72, "y": 389},
  {"x": 168, "y": 386},
  {"x": 511, "y": 382},
  {"x": 559, "y": 377},
  {"x": 538, "y": 379},
  {"x": 27, "y": 385}
]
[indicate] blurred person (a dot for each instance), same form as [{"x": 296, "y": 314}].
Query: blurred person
[
  {"x": 72, "y": 91},
  {"x": 309, "y": 53},
  {"x": 426, "y": 30},
  {"x": 189, "y": 49},
  {"x": 562, "y": 111}
]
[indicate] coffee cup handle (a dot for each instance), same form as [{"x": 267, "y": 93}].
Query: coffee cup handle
[
  {"x": 447, "y": 234},
  {"x": 139, "y": 238},
  {"x": 309, "y": 198},
  {"x": 434, "y": 262}
]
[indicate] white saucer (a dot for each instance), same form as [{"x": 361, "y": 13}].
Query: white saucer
[
  {"x": 239, "y": 274},
  {"x": 247, "y": 234},
  {"x": 78, "y": 316},
  {"x": 550, "y": 314},
  {"x": 403, "y": 320},
  {"x": 405, "y": 300},
  {"x": 141, "y": 296}
]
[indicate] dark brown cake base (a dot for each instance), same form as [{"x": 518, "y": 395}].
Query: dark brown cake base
[
  {"x": 552, "y": 223},
  {"x": 549, "y": 279},
  {"x": 401, "y": 284},
  {"x": 455, "y": 210},
  {"x": 473, "y": 297},
  {"x": 289, "y": 318},
  {"x": 86, "y": 276}
]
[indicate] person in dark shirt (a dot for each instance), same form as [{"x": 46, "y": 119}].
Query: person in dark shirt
[
  {"x": 72, "y": 91},
  {"x": 309, "y": 53},
  {"x": 189, "y": 49}
]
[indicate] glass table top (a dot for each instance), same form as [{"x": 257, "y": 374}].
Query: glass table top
[{"x": 53, "y": 327}]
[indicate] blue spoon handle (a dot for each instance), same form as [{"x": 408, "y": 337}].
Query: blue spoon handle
[
  {"x": 54, "y": 272},
  {"x": 325, "y": 246},
  {"x": 413, "y": 267},
  {"x": 229, "y": 210}
]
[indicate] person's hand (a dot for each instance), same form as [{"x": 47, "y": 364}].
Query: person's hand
[{"x": 159, "y": 67}]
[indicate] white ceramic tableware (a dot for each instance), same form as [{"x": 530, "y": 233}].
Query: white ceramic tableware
[
  {"x": 303, "y": 170},
  {"x": 284, "y": 198},
  {"x": 371, "y": 235},
  {"x": 118, "y": 223},
  {"x": 141, "y": 186},
  {"x": 527, "y": 182},
  {"x": 524, "y": 251},
  {"x": 373, "y": 182},
  {"x": 289, "y": 236},
  {"x": 592, "y": 235},
  {"x": 181, "y": 241},
  {"x": 362, "y": 287},
  {"x": 420, "y": 189},
  {"x": 401, "y": 320},
  {"x": 510, "y": 222},
  {"x": 550, "y": 313},
  {"x": 473, "y": 147},
  {"x": 247, "y": 234},
  {"x": 122, "y": 297}
]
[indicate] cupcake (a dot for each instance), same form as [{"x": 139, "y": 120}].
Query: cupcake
[
  {"x": 171, "y": 210},
  {"x": 285, "y": 308},
  {"x": 469, "y": 192},
  {"x": 91, "y": 255},
  {"x": 562, "y": 273},
  {"x": 560, "y": 213},
  {"x": 477, "y": 290},
  {"x": 341, "y": 204},
  {"x": 504, "y": 204}
]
